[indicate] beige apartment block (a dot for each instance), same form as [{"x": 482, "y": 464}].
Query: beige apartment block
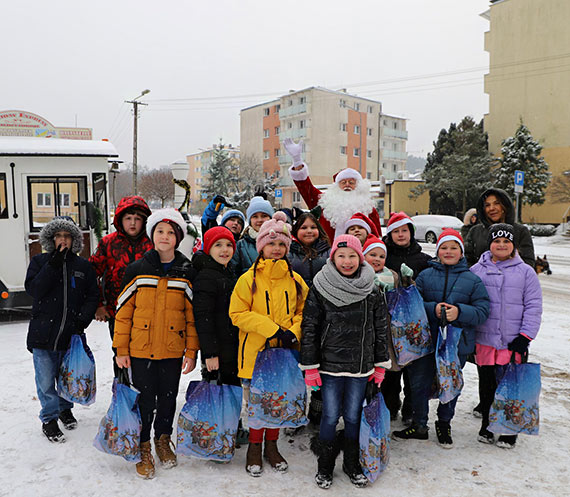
[
  {"x": 529, "y": 54},
  {"x": 338, "y": 130}
]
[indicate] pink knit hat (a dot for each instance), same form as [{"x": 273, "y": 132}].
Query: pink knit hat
[
  {"x": 347, "y": 241},
  {"x": 275, "y": 229}
]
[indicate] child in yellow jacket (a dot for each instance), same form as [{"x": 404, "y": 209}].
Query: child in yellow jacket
[
  {"x": 267, "y": 306},
  {"x": 155, "y": 334}
]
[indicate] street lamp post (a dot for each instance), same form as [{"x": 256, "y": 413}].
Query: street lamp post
[{"x": 135, "y": 133}]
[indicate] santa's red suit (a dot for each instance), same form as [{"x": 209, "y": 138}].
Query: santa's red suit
[{"x": 338, "y": 206}]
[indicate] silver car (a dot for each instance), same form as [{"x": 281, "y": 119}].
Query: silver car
[{"x": 430, "y": 226}]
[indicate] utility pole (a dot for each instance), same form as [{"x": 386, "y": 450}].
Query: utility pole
[{"x": 135, "y": 133}]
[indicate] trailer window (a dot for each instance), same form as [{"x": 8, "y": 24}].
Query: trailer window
[
  {"x": 57, "y": 196},
  {"x": 100, "y": 196},
  {"x": 3, "y": 197}
]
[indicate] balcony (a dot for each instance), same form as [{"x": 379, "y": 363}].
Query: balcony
[
  {"x": 295, "y": 134},
  {"x": 392, "y": 154},
  {"x": 285, "y": 159},
  {"x": 394, "y": 133},
  {"x": 291, "y": 111}
]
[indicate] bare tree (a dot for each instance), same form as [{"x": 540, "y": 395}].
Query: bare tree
[
  {"x": 560, "y": 188},
  {"x": 157, "y": 185}
]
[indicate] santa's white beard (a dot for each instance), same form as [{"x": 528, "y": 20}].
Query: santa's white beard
[{"x": 339, "y": 206}]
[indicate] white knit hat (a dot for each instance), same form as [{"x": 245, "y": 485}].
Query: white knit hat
[{"x": 170, "y": 216}]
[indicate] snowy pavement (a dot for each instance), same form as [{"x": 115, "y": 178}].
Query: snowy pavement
[{"x": 31, "y": 466}]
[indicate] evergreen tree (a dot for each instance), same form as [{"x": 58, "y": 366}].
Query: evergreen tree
[
  {"x": 522, "y": 152},
  {"x": 459, "y": 168},
  {"x": 222, "y": 173}
]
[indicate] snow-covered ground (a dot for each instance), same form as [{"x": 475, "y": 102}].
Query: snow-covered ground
[{"x": 31, "y": 466}]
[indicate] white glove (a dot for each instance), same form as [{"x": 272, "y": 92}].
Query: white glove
[{"x": 294, "y": 150}]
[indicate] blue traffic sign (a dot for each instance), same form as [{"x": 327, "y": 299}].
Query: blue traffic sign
[
  {"x": 279, "y": 193},
  {"x": 519, "y": 181}
]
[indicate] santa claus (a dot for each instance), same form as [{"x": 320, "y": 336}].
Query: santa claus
[{"x": 348, "y": 195}]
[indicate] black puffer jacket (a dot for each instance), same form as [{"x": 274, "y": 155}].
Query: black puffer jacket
[
  {"x": 308, "y": 267},
  {"x": 65, "y": 300},
  {"x": 349, "y": 339},
  {"x": 412, "y": 256},
  {"x": 476, "y": 241},
  {"x": 213, "y": 286}
]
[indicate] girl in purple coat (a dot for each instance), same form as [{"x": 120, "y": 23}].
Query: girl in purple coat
[{"x": 514, "y": 318}]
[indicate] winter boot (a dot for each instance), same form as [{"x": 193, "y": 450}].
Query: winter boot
[
  {"x": 145, "y": 468},
  {"x": 276, "y": 460},
  {"x": 351, "y": 463},
  {"x": 254, "y": 464},
  {"x": 52, "y": 432},
  {"x": 68, "y": 420},
  {"x": 412, "y": 432},
  {"x": 327, "y": 453},
  {"x": 443, "y": 432},
  {"x": 163, "y": 447},
  {"x": 315, "y": 408},
  {"x": 478, "y": 411},
  {"x": 507, "y": 441},
  {"x": 486, "y": 437}
]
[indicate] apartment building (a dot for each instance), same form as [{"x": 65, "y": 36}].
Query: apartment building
[
  {"x": 338, "y": 130},
  {"x": 528, "y": 79}
]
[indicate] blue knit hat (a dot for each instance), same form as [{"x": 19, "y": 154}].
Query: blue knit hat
[
  {"x": 259, "y": 204},
  {"x": 233, "y": 213}
]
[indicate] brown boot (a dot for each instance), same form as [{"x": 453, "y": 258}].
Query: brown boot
[
  {"x": 163, "y": 447},
  {"x": 254, "y": 464},
  {"x": 145, "y": 468},
  {"x": 271, "y": 454}
]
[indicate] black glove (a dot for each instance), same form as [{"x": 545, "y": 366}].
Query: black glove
[
  {"x": 58, "y": 257},
  {"x": 519, "y": 344},
  {"x": 287, "y": 338},
  {"x": 219, "y": 199}
]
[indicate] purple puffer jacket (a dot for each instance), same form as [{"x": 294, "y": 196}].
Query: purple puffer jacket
[{"x": 516, "y": 301}]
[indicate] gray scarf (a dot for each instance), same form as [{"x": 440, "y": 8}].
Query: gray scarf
[{"x": 339, "y": 289}]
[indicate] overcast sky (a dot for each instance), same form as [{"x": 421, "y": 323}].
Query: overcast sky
[{"x": 73, "y": 60}]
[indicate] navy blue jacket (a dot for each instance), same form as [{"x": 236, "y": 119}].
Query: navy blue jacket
[
  {"x": 65, "y": 300},
  {"x": 458, "y": 286},
  {"x": 308, "y": 267}
]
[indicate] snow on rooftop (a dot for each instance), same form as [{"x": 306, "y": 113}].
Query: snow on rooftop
[{"x": 15, "y": 145}]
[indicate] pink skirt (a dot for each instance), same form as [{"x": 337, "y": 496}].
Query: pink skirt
[{"x": 485, "y": 355}]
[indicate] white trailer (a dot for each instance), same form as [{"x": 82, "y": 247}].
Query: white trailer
[{"x": 41, "y": 178}]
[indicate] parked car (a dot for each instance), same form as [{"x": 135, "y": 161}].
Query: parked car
[{"x": 429, "y": 226}]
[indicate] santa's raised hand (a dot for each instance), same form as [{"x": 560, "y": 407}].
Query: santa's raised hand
[{"x": 294, "y": 150}]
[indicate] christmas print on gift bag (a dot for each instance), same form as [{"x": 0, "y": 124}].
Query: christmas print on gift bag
[
  {"x": 409, "y": 324},
  {"x": 278, "y": 395},
  {"x": 208, "y": 422},
  {"x": 374, "y": 438},
  {"x": 515, "y": 407},
  {"x": 76, "y": 380},
  {"x": 119, "y": 430},
  {"x": 448, "y": 367}
]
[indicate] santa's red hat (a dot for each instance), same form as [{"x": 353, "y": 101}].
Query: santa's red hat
[
  {"x": 449, "y": 235},
  {"x": 398, "y": 219},
  {"x": 346, "y": 174},
  {"x": 373, "y": 242},
  {"x": 365, "y": 222}
]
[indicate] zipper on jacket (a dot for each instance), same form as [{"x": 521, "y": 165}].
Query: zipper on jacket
[
  {"x": 287, "y": 300},
  {"x": 267, "y": 302},
  {"x": 243, "y": 350},
  {"x": 363, "y": 333},
  {"x": 62, "y": 325},
  {"x": 325, "y": 334}
]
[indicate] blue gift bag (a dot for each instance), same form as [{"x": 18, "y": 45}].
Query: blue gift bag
[
  {"x": 76, "y": 380},
  {"x": 278, "y": 395},
  {"x": 119, "y": 430},
  {"x": 208, "y": 422},
  {"x": 409, "y": 324},
  {"x": 374, "y": 438},
  {"x": 448, "y": 367},
  {"x": 515, "y": 407}
]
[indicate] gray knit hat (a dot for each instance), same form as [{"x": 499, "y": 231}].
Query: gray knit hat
[{"x": 61, "y": 223}]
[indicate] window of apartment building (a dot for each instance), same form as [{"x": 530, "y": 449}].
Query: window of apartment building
[
  {"x": 277, "y": 152},
  {"x": 343, "y": 126},
  {"x": 296, "y": 197},
  {"x": 266, "y": 154},
  {"x": 342, "y": 150},
  {"x": 370, "y": 109},
  {"x": 384, "y": 122},
  {"x": 266, "y": 111},
  {"x": 303, "y": 100},
  {"x": 394, "y": 146},
  {"x": 277, "y": 108},
  {"x": 266, "y": 133},
  {"x": 289, "y": 125},
  {"x": 277, "y": 130},
  {"x": 302, "y": 124},
  {"x": 356, "y": 129},
  {"x": 383, "y": 165},
  {"x": 342, "y": 102},
  {"x": 290, "y": 103},
  {"x": 395, "y": 125},
  {"x": 277, "y": 173},
  {"x": 384, "y": 144},
  {"x": 304, "y": 147},
  {"x": 357, "y": 107},
  {"x": 43, "y": 200},
  {"x": 356, "y": 152},
  {"x": 394, "y": 167},
  {"x": 369, "y": 131},
  {"x": 368, "y": 175},
  {"x": 369, "y": 154}
]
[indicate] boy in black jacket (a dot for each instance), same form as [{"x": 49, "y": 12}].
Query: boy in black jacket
[{"x": 64, "y": 288}]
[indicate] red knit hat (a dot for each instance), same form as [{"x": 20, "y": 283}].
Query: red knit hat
[
  {"x": 215, "y": 234},
  {"x": 398, "y": 219},
  {"x": 347, "y": 241},
  {"x": 371, "y": 243},
  {"x": 365, "y": 222},
  {"x": 448, "y": 235}
]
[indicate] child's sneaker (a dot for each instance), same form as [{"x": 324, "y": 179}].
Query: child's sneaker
[
  {"x": 507, "y": 441},
  {"x": 485, "y": 436},
  {"x": 68, "y": 420},
  {"x": 52, "y": 432},
  {"x": 412, "y": 432},
  {"x": 443, "y": 432},
  {"x": 145, "y": 468},
  {"x": 163, "y": 447}
]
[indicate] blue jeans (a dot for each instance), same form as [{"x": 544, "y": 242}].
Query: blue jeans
[
  {"x": 445, "y": 412},
  {"x": 46, "y": 366},
  {"x": 421, "y": 373},
  {"x": 342, "y": 395}
]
